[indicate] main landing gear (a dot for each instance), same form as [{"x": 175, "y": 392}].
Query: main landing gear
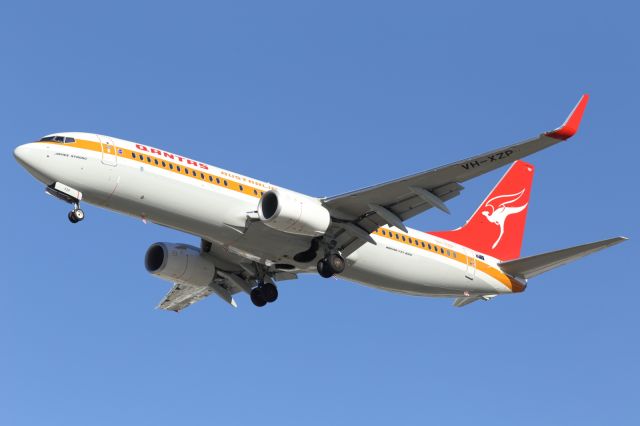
[
  {"x": 331, "y": 265},
  {"x": 264, "y": 293}
]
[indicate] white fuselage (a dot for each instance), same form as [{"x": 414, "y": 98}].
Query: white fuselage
[{"x": 212, "y": 203}]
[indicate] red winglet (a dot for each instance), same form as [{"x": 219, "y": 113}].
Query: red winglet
[{"x": 571, "y": 124}]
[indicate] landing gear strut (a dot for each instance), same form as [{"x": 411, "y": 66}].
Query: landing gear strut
[
  {"x": 264, "y": 293},
  {"x": 331, "y": 265}
]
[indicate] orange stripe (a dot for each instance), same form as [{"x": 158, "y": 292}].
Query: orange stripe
[{"x": 198, "y": 174}]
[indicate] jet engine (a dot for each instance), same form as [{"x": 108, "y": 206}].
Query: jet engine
[
  {"x": 293, "y": 214},
  {"x": 179, "y": 263}
]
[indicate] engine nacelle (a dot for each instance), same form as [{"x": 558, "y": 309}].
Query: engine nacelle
[
  {"x": 295, "y": 215},
  {"x": 179, "y": 263}
]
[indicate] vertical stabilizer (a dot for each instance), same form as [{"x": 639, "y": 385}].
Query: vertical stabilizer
[{"x": 497, "y": 226}]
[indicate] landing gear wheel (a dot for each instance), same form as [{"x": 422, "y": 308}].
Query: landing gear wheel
[
  {"x": 257, "y": 297},
  {"x": 72, "y": 218},
  {"x": 270, "y": 292},
  {"x": 79, "y": 214},
  {"x": 324, "y": 269},
  {"x": 331, "y": 265},
  {"x": 76, "y": 215},
  {"x": 336, "y": 263}
]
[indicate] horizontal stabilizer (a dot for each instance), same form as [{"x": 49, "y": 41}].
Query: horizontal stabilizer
[
  {"x": 464, "y": 301},
  {"x": 528, "y": 267}
]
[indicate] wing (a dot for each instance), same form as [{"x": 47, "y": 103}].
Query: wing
[
  {"x": 233, "y": 274},
  {"x": 182, "y": 296},
  {"x": 356, "y": 214}
]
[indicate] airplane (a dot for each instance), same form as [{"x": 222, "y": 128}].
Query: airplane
[{"x": 254, "y": 235}]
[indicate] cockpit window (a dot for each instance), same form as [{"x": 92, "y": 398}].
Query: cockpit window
[{"x": 59, "y": 139}]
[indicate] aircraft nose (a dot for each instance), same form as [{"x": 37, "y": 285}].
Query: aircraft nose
[
  {"x": 31, "y": 158},
  {"x": 22, "y": 153}
]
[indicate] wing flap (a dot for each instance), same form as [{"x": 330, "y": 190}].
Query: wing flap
[
  {"x": 182, "y": 296},
  {"x": 528, "y": 267}
]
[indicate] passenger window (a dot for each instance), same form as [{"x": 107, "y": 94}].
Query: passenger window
[
  {"x": 448, "y": 253},
  {"x": 423, "y": 244},
  {"x": 218, "y": 181},
  {"x": 164, "y": 164},
  {"x": 210, "y": 178},
  {"x": 201, "y": 175},
  {"x": 441, "y": 250},
  {"x": 133, "y": 154},
  {"x": 255, "y": 192},
  {"x": 171, "y": 166},
  {"x": 383, "y": 232},
  {"x": 241, "y": 188},
  {"x": 403, "y": 238},
  {"x": 156, "y": 161},
  {"x": 178, "y": 168},
  {"x": 148, "y": 159},
  {"x": 225, "y": 183}
]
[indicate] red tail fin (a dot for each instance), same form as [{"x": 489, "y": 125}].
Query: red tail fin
[{"x": 497, "y": 226}]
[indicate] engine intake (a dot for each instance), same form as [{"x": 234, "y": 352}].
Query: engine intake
[
  {"x": 179, "y": 263},
  {"x": 295, "y": 215}
]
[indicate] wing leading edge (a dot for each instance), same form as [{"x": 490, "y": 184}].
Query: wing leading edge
[{"x": 393, "y": 202}]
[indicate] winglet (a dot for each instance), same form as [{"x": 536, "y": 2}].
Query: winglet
[{"x": 571, "y": 124}]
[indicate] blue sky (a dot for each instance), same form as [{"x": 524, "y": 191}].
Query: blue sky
[{"x": 323, "y": 98}]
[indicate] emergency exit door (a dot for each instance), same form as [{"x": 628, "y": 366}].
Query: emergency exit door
[{"x": 471, "y": 266}]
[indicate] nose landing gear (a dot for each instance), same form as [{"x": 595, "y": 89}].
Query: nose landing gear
[
  {"x": 76, "y": 215},
  {"x": 69, "y": 195}
]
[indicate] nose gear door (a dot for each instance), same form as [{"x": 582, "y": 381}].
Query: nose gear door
[{"x": 109, "y": 156}]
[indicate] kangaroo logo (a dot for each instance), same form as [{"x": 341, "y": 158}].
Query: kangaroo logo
[{"x": 499, "y": 208}]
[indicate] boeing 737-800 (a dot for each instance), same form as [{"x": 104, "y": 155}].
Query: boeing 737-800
[{"x": 254, "y": 234}]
